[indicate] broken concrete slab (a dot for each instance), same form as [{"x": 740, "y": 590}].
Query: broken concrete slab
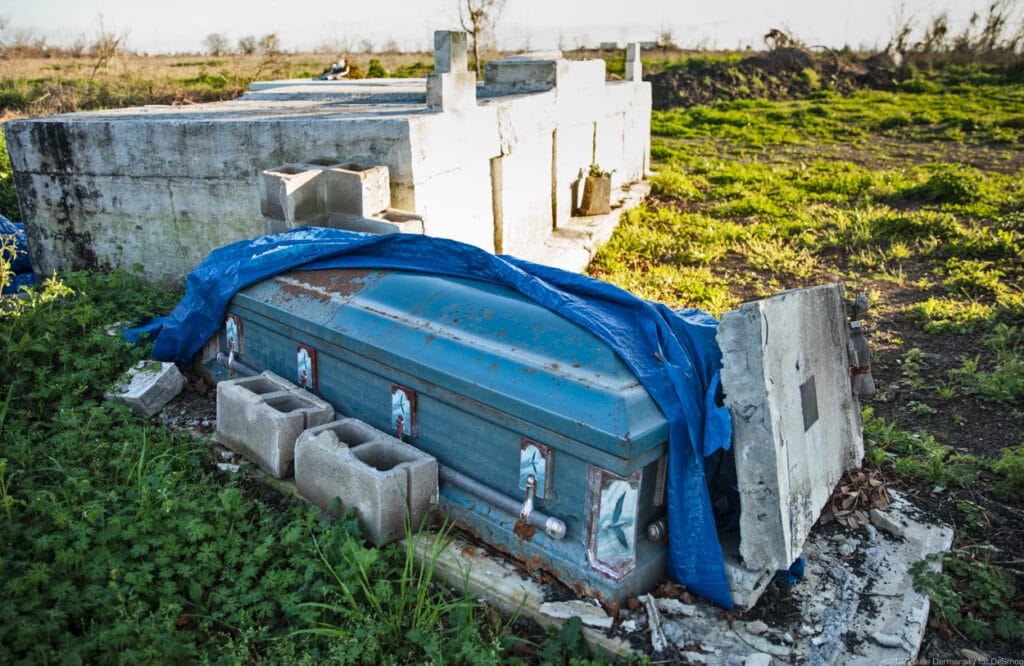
[
  {"x": 260, "y": 417},
  {"x": 590, "y": 614},
  {"x": 795, "y": 436},
  {"x": 147, "y": 387},
  {"x": 835, "y": 616}
]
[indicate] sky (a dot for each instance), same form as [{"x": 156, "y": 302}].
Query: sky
[{"x": 180, "y": 26}]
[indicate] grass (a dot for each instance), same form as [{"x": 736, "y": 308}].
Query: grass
[
  {"x": 912, "y": 197},
  {"x": 122, "y": 541},
  {"x": 125, "y": 541}
]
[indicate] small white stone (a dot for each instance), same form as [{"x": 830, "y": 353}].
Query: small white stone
[
  {"x": 590, "y": 615},
  {"x": 886, "y": 523},
  {"x": 846, "y": 548},
  {"x": 972, "y": 656},
  {"x": 628, "y": 625},
  {"x": 787, "y": 638},
  {"x": 886, "y": 640},
  {"x": 757, "y": 627},
  {"x": 675, "y": 607},
  {"x": 758, "y": 659},
  {"x": 805, "y": 630},
  {"x": 228, "y": 467}
]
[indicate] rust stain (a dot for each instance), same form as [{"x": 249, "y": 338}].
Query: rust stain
[
  {"x": 524, "y": 530},
  {"x": 342, "y": 282},
  {"x": 291, "y": 290}
]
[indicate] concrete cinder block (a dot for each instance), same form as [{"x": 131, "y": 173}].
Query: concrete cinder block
[
  {"x": 290, "y": 194},
  {"x": 354, "y": 191},
  {"x": 260, "y": 417},
  {"x": 147, "y": 387},
  {"x": 384, "y": 480},
  {"x": 387, "y": 221},
  {"x": 796, "y": 423}
]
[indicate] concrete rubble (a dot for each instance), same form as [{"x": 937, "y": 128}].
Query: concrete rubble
[
  {"x": 857, "y": 608},
  {"x": 147, "y": 387}
]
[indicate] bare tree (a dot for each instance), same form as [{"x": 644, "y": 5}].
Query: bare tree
[
  {"x": 106, "y": 45},
  {"x": 903, "y": 25},
  {"x": 247, "y": 45},
  {"x": 269, "y": 48},
  {"x": 216, "y": 43},
  {"x": 478, "y": 17}
]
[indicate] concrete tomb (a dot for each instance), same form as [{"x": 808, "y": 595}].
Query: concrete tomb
[{"x": 494, "y": 164}]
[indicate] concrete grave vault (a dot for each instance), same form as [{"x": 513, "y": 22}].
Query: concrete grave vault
[{"x": 495, "y": 164}]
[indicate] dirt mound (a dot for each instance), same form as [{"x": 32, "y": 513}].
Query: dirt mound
[{"x": 782, "y": 73}]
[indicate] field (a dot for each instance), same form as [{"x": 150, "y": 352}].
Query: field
[{"x": 121, "y": 540}]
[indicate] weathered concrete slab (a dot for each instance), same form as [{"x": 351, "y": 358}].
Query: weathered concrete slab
[
  {"x": 796, "y": 423},
  {"x": 147, "y": 387}
]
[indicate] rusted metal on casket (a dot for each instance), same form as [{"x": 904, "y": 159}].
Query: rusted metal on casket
[{"x": 499, "y": 390}]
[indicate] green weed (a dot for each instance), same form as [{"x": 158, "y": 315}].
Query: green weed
[
  {"x": 1004, "y": 382},
  {"x": 952, "y": 184},
  {"x": 8, "y": 195},
  {"x": 918, "y": 456},
  {"x": 947, "y": 316},
  {"x": 972, "y": 278},
  {"x": 970, "y": 593},
  {"x": 674, "y": 184},
  {"x": 413, "y": 618}
]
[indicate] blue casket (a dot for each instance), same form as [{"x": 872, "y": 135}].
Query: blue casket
[{"x": 527, "y": 413}]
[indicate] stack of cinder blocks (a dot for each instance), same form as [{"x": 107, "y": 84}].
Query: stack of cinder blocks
[{"x": 282, "y": 428}]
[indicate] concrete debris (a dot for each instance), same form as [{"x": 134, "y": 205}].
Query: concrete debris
[
  {"x": 758, "y": 659},
  {"x": 974, "y": 657},
  {"x": 588, "y": 613},
  {"x": 675, "y": 607},
  {"x": 147, "y": 387},
  {"x": 658, "y": 640},
  {"x": 883, "y": 521},
  {"x": 886, "y": 640}
]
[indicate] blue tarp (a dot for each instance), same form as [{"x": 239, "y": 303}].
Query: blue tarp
[
  {"x": 21, "y": 266},
  {"x": 672, "y": 352}
]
